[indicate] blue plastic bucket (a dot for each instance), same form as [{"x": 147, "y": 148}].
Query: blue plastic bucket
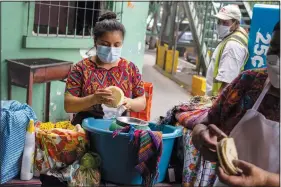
[{"x": 119, "y": 155}]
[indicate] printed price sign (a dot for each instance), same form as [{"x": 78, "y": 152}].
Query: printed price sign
[
  {"x": 260, "y": 49},
  {"x": 260, "y": 34}
]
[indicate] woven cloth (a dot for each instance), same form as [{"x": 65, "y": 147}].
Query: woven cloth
[
  {"x": 14, "y": 120},
  {"x": 149, "y": 145},
  {"x": 189, "y": 113}
]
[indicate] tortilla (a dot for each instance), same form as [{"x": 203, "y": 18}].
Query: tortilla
[
  {"x": 118, "y": 96},
  {"x": 227, "y": 152}
]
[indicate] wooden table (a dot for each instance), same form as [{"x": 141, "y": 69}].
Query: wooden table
[{"x": 26, "y": 72}]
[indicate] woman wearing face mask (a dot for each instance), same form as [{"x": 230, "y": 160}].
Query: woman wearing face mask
[
  {"x": 85, "y": 91},
  {"x": 249, "y": 111},
  {"x": 231, "y": 54}
]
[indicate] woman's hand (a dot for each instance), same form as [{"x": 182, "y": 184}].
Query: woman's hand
[
  {"x": 102, "y": 96},
  {"x": 205, "y": 139},
  {"x": 196, "y": 135},
  {"x": 137, "y": 104},
  {"x": 251, "y": 176},
  {"x": 128, "y": 103}
]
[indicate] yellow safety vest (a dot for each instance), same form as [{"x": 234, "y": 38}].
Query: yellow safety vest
[{"x": 239, "y": 36}]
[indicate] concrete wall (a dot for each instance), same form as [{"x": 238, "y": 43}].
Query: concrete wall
[
  {"x": 14, "y": 19},
  {"x": 134, "y": 20}
]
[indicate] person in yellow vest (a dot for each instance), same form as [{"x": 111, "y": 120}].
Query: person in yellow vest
[{"x": 231, "y": 54}]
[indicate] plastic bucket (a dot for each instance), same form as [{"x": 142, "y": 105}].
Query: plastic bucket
[{"x": 119, "y": 156}]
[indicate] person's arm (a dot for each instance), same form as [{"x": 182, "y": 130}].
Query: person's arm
[
  {"x": 219, "y": 112},
  {"x": 205, "y": 139},
  {"x": 272, "y": 180},
  {"x": 73, "y": 104},
  {"x": 226, "y": 111},
  {"x": 251, "y": 175},
  {"x": 138, "y": 102}
]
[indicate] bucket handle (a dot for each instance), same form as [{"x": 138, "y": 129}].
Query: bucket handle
[{"x": 177, "y": 132}]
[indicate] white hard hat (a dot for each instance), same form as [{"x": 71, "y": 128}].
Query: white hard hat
[{"x": 229, "y": 12}]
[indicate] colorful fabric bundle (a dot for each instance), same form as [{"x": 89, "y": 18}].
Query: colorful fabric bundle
[
  {"x": 190, "y": 118},
  {"x": 189, "y": 113},
  {"x": 149, "y": 145},
  {"x": 57, "y": 148}
]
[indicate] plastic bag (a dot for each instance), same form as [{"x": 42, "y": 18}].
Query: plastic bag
[
  {"x": 88, "y": 173},
  {"x": 65, "y": 174},
  {"x": 58, "y": 148}
]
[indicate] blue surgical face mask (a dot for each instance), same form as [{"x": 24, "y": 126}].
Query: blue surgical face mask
[{"x": 108, "y": 54}]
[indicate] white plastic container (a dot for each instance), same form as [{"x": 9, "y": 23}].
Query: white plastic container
[{"x": 27, "y": 168}]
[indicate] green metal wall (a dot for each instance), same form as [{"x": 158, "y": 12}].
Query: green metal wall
[{"x": 14, "y": 16}]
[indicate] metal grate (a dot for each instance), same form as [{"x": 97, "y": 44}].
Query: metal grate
[{"x": 68, "y": 18}]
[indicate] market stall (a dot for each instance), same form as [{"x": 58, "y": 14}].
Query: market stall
[{"x": 81, "y": 155}]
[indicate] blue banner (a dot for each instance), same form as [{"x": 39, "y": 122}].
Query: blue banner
[{"x": 263, "y": 21}]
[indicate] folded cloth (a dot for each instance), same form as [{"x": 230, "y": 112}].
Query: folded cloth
[
  {"x": 189, "y": 113},
  {"x": 149, "y": 145},
  {"x": 191, "y": 118}
]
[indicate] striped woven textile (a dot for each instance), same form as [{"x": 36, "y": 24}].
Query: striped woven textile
[
  {"x": 149, "y": 145},
  {"x": 189, "y": 113}
]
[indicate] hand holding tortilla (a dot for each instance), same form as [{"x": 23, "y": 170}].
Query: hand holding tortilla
[
  {"x": 117, "y": 95},
  {"x": 227, "y": 153},
  {"x": 205, "y": 139},
  {"x": 102, "y": 96},
  {"x": 251, "y": 176}
]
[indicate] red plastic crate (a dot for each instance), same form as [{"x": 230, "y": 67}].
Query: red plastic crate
[{"x": 145, "y": 114}]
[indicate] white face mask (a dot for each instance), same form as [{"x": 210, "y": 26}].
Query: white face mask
[
  {"x": 223, "y": 31},
  {"x": 273, "y": 63}
]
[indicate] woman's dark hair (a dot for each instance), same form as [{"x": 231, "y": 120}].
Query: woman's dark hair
[{"x": 108, "y": 23}]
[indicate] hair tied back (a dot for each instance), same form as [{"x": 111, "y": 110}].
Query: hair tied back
[{"x": 108, "y": 16}]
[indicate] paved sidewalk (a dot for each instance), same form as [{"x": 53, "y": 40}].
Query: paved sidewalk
[{"x": 166, "y": 93}]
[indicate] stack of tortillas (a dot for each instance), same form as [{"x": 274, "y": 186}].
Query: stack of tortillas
[
  {"x": 118, "y": 96},
  {"x": 227, "y": 152}
]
